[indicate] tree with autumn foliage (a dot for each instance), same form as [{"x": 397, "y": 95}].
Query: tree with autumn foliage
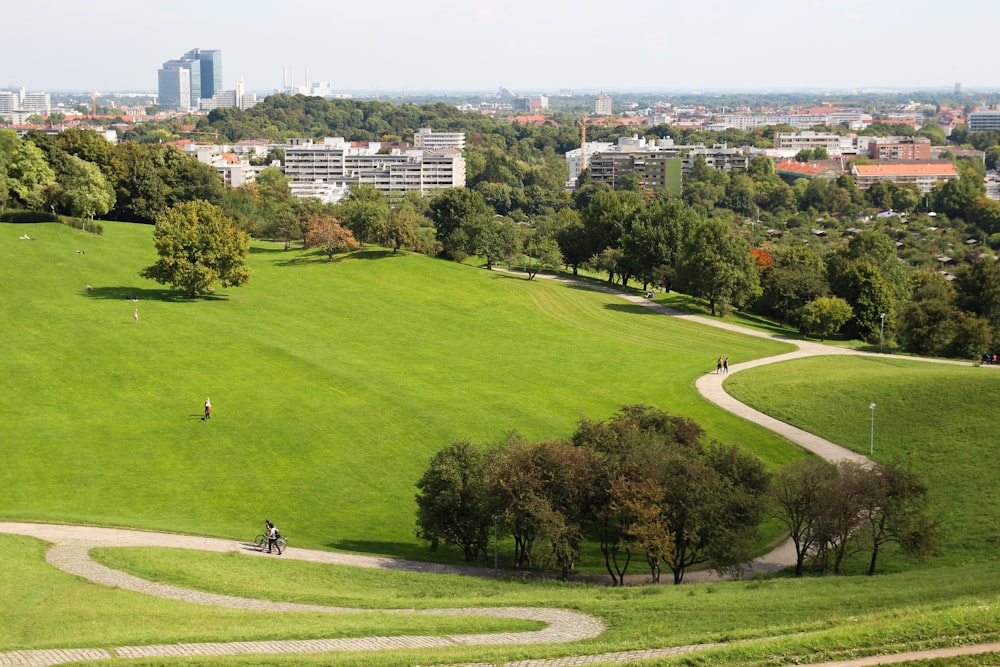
[{"x": 326, "y": 232}]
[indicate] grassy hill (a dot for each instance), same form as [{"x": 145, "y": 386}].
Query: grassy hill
[{"x": 332, "y": 384}]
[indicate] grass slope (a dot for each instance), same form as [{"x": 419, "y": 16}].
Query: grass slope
[
  {"x": 332, "y": 384},
  {"x": 940, "y": 418}
]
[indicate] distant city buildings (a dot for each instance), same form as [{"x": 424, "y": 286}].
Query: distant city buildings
[
  {"x": 427, "y": 139},
  {"x": 184, "y": 82},
  {"x": 17, "y": 105},
  {"x": 658, "y": 165},
  {"x": 602, "y": 106},
  {"x": 981, "y": 121}
]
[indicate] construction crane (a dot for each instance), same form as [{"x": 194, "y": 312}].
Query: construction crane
[{"x": 93, "y": 99}]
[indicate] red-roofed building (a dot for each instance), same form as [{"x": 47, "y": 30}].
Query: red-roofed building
[
  {"x": 923, "y": 174},
  {"x": 791, "y": 169}
]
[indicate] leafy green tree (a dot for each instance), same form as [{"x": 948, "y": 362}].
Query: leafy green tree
[
  {"x": 450, "y": 209},
  {"x": 86, "y": 145},
  {"x": 717, "y": 266},
  {"x": 399, "y": 228},
  {"x": 135, "y": 172},
  {"x": 453, "y": 503},
  {"x": 496, "y": 240},
  {"x": 977, "y": 290},
  {"x": 540, "y": 254},
  {"x": 825, "y": 316},
  {"x": 198, "y": 247},
  {"x": 28, "y": 175},
  {"x": 85, "y": 191},
  {"x": 362, "y": 210},
  {"x": 797, "y": 276}
]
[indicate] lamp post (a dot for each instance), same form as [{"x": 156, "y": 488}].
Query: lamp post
[
  {"x": 881, "y": 331},
  {"x": 871, "y": 437}
]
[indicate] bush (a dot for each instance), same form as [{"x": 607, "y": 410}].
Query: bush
[
  {"x": 28, "y": 216},
  {"x": 77, "y": 223}
]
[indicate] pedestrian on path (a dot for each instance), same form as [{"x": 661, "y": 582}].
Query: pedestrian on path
[
  {"x": 725, "y": 365},
  {"x": 718, "y": 366},
  {"x": 208, "y": 409}
]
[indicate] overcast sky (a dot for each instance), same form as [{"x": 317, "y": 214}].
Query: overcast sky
[{"x": 524, "y": 45}]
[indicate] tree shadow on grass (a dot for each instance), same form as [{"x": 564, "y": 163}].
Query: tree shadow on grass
[
  {"x": 633, "y": 308},
  {"x": 125, "y": 293}
]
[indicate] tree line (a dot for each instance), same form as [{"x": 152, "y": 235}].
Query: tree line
[{"x": 645, "y": 487}]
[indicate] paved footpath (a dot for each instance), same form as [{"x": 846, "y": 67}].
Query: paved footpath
[{"x": 72, "y": 545}]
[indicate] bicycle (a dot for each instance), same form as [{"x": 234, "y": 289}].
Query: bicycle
[{"x": 261, "y": 542}]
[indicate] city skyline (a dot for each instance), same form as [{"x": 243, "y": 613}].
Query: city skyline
[{"x": 442, "y": 45}]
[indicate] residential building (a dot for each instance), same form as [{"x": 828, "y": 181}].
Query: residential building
[
  {"x": 900, "y": 148},
  {"x": 338, "y": 161},
  {"x": 427, "y": 139},
  {"x": 38, "y": 103},
  {"x": 980, "y": 121},
  {"x": 575, "y": 158},
  {"x": 9, "y": 101},
  {"x": 660, "y": 164},
  {"x": 230, "y": 98},
  {"x": 923, "y": 174},
  {"x": 796, "y": 141},
  {"x": 602, "y": 106}
]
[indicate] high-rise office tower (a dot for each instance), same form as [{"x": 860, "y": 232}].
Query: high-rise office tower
[
  {"x": 194, "y": 76},
  {"x": 211, "y": 70}
]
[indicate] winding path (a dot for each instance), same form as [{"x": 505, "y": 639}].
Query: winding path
[{"x": 72, "y": 544}]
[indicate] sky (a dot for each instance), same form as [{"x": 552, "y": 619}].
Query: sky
[{"x": 523, "y": 45}]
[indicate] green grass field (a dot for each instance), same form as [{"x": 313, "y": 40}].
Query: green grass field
[
  {"x": 941, "y": 418},
  {"x": 333, "y": 384}
]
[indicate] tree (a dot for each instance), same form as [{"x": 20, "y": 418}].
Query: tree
[
  {"x": 362, "y": 210},
  {"x": 453, "y": 504},
  {"x": 539, "y": 255},
  {"x": 495, "y": 239},
  {"x": 28, "y": 175},
  {"x": 717, "y": 266},
  {"x": 326, "y": 232},
  {"x": 85, "y": 191},
  {"x": 796, "y": 277},
  {"x": 198, "y": 247},
  {"x": 399, "y": 228},
  {"x": 798, "y": 495},
  {"x": 452, "y": 207},
  {"x": 897, "y": 512},
  {"x": 825, "y": 316}
]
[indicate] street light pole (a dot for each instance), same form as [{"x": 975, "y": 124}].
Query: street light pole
[
  {"x": 881, "y": 331},
  {"x": 871, "y": 438}
]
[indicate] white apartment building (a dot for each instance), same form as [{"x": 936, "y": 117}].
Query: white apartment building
[
  {"x": 39, "y": 103},
  {"x": 575, "y": 157},
  {"x": 602, "y": 106},
  {"x": 751, "y": 122},
  {"x": 427, "y": 139},
  {"x": 8, "y": 102},
  {"x": 337, "y": 161},
  {"x": 980, "y": 121}
]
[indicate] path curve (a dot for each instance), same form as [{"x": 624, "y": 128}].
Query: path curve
[{"x": 72, "y": 544}]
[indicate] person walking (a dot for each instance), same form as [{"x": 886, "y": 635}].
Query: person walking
[
  {"x": 208, "y": 409},
  {"x": 718, "y": 366},
  {"x": 725, "y": 365},
  {"x": 135, "y": 316},
  {"x": 272, "y": 537}
]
